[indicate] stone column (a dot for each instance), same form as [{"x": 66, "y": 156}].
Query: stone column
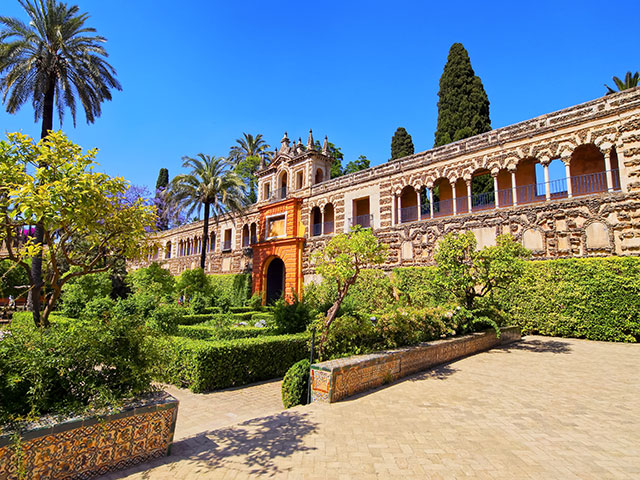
[
  {"x": 419, "y": 203},
  {"x": 430, "y": 202},
  {"x": 607, "y": 166},
  {"x": 495, "y": 189},
  {"x": 514, "y": 190},
  {"x": 547, "y": 187},
  {"x": 469, "y": 205},
  {"x": 453, "y": 190},
  {"x": 567, "y": 169},
  {"x": 399, "y": 214}
]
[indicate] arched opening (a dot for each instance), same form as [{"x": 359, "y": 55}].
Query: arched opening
[
  {"x": 482, "y": 190},
  {"x": 319, "y": 175},
  {"x": 266, "y": 192},
  {"x": 442, "y": 198},
  {"x": 462, "y": 196},
  {"x": 408, "y": 205},
  {"x": 328, "y": 219},
  {"x": 274, "y": 279},
  {"x": 254, "y": 234},
  {"x": 245, "y": 236},
  {"x": 557, "y": 180},
  {"x": 526, "y": 181},
  {"x": 167, "y": 251},
  {"x": 505, "y": 192},
  {"x": 588, "y": 171},
  {"x": 212, "y": 242},
  {"x": 283, "y": 185},
  {"x": 316, "y": 221}
]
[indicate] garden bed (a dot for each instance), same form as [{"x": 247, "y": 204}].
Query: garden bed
[
  {"x": 335, "y": 380},
  {"x": 86, "y": 447}
]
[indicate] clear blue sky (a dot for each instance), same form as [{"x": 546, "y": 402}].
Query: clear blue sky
[{"x": 197, "y": 74}]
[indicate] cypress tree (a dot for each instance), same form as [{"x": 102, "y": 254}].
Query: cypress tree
[
  {"x": 401, "y": 144},
  {"x": 163, "y": 179},
  {"x": 463, "y": 108}
]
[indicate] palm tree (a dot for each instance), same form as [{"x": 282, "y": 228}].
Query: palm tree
[
  {"x": 52, "y": 60},
  {"x": 246, "y": 155},
  {"x": 630, "y": 81},
  {"x": 211, "y": 184}
]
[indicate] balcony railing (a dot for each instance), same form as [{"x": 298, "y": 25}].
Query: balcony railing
[
  {"x": 580, "y": 185},
  {"x": 364, "y": 221},
  {"x": 328, "y": 228}
]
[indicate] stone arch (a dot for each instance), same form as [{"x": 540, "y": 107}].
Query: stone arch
[
  {"x": 329, "y": 219},
  {"x": 588, "y": 171},
  {"x": 167, "y": 250},
  {"x": 246, "y": 240},
  {"x": 319, "y": 175},
  {"x": 316, "y": 221},
  {"x": 282, "y": 185},
  {"x": 408, "y": 211},
  {"x": 442, "y": 197},
  {"x": 253, "y": 232},
  {"x": 274, "y": 274}
]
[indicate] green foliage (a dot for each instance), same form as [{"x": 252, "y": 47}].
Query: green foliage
[
  {"x": 191, "y": 282},
  {"x": 72, "y": 366},
  {"x": 77, "y": 293},
  {"x": 463, "y": 107},
  {"x": 337, "y": 155},
  {"x": 361, "y": 163},
  {"x": 203, "y": 365},
  {"x": 12, "y": 276},
  {"x": 246, "y": 154},
  {"x": 350, "y": 334},
  {"x": 408, "y": 326},
  {"x": 630, "y": 81},
  {"x": 98, "y": 309},
  {"x": 153, "y": 280},
  {"x": 592, "y": 298},
  {"x": 291, "y": 317},
  {"x": 467, "y": 273},
  {"x": 198, "y": 303},
  {"x": 203, "y": 332},
  {"x": 417, "y": 287},
  {"x": 401, "y": 144},
  {"x": 165, "y": 318},
  {"x": 255, "y": 302},
  {"x": 230, "y": 290},
  {"x": 295, "y": 385}
]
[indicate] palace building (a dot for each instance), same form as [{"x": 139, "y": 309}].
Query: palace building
[{"x": 591, "y": 209}]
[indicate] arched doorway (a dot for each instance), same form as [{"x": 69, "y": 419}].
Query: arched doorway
[{"x": 274, "y": 277}]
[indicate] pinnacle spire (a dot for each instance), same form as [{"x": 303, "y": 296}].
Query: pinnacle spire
[
  {"x": 310, "y": 141},
  {"x": 325, "y": 146}
]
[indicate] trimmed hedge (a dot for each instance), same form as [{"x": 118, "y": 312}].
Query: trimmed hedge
[
  {"x": 295, "y": 385},
  {"x": 195, "y": 319},
  {"x": 204, "y": 365},
  {"x": 201, "y": 332},
  {"x": 231, "y": 290},
  {"x": 592, "y": 298}
]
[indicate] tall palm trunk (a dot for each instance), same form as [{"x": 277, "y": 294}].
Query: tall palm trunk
[
  {"x": 205, "y": 235},
  {"x": 36, "y": 264}
]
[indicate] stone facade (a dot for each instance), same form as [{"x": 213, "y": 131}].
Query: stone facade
[{"x": 410, "y": 203}]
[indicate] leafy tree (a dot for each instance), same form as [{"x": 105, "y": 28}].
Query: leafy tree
[
  {"x": 337, "y": 155},
  {"x": 160, "y": 199},
  {"x": 361, "y": 163},
  {"x": 467, "y": 273},
  {"x": 153, "y": 280},
  {"x": 401, "y": 144},
  {"x": 630, "y": 81},
  {"x": 246, "y": 154},
  {"x": 87, "y": 221},
  {"x": 53, "y": 60},
  {"x": 463, "y": 108},
  {"x": 193, "y": 281},
  {"x": 342, "y": 260},
  {"x": 211, "y": 184}
]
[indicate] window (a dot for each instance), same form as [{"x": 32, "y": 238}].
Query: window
[
  {"x": 267, "y": 191},
  {"x": 227, "y": 240},
  {"x": 276, "y": 226},
  {"x": 299, "y": 180}
]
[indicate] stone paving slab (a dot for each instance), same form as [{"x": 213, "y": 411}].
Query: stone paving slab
[{"x": 541, "y": 409}]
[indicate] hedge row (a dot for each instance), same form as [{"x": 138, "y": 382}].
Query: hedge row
[
  {"x": 224, "y": 319},
  {"x": 201, "y": 332},
  {"x": 231, "y": 289},
  {"x": 204, "y": 365},
  {"x": 592, "y": 298}
]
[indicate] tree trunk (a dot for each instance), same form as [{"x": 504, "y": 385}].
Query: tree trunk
[
  {"x": 35, "y": 293},
  {"x": 205, "y": 235},
  {"x": 331, "y": 316}
]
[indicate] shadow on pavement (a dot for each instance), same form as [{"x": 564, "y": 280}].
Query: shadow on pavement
[
  {"x": 255, "y": 444},
  {"x": 538, "y": 346}
]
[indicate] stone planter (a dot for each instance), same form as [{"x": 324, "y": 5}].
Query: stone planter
[
  {"x": 337, "y": 379},
  {"x": 86, "y": 447}
]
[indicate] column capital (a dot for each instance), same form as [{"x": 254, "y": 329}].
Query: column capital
[
  {"x": 566, "y": 159},
  {"x": 512, "y": 168},
  {"x": 544, "y": 161},
  {"x": 494, "y": 172}
]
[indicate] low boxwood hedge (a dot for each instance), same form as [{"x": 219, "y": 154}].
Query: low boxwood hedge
[
  {"x": 205, "y": 365},
  {"x": 202, "y": 332}
]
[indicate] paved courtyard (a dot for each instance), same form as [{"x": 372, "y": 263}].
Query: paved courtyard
[{"x": 543, "y": 408}]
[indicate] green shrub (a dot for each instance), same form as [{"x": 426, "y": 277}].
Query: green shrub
[
  {"x": 198, "y": 304},
  {"x": 241, "y": 309},
  {"x": 152, "y": 280},
  {"x": 403, "y": 326},
  {"x": 212, "y": 310},
  {"x": 73, "y": 365},
  {"x": 191, "y": 282},
  {"x": 201, "y": 332},
  {"x": 98, "y": 309},
  {"x": 230, "y": 290},
  {"x": 416, "y": 287},
  {"x": 295, "y": 385},
  {"x": 204, "y": 365},
  {"x": 12, "y": 275},
  {"x": 348, "y": 335},
  {"x": 291, "y": 317},
  {"x": 81, "y": 290},
  {"x": 165, "y": 319},
  {"x": 592, "y": 298},
  {"x": 255, "y": 302},
  {"x": 196, "y": 319}
]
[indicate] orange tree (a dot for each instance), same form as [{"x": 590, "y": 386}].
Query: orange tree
[{"x": 88, "y": 221}]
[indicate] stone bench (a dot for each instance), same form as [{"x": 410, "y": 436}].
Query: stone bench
[{"x": 334, "y": 380}]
